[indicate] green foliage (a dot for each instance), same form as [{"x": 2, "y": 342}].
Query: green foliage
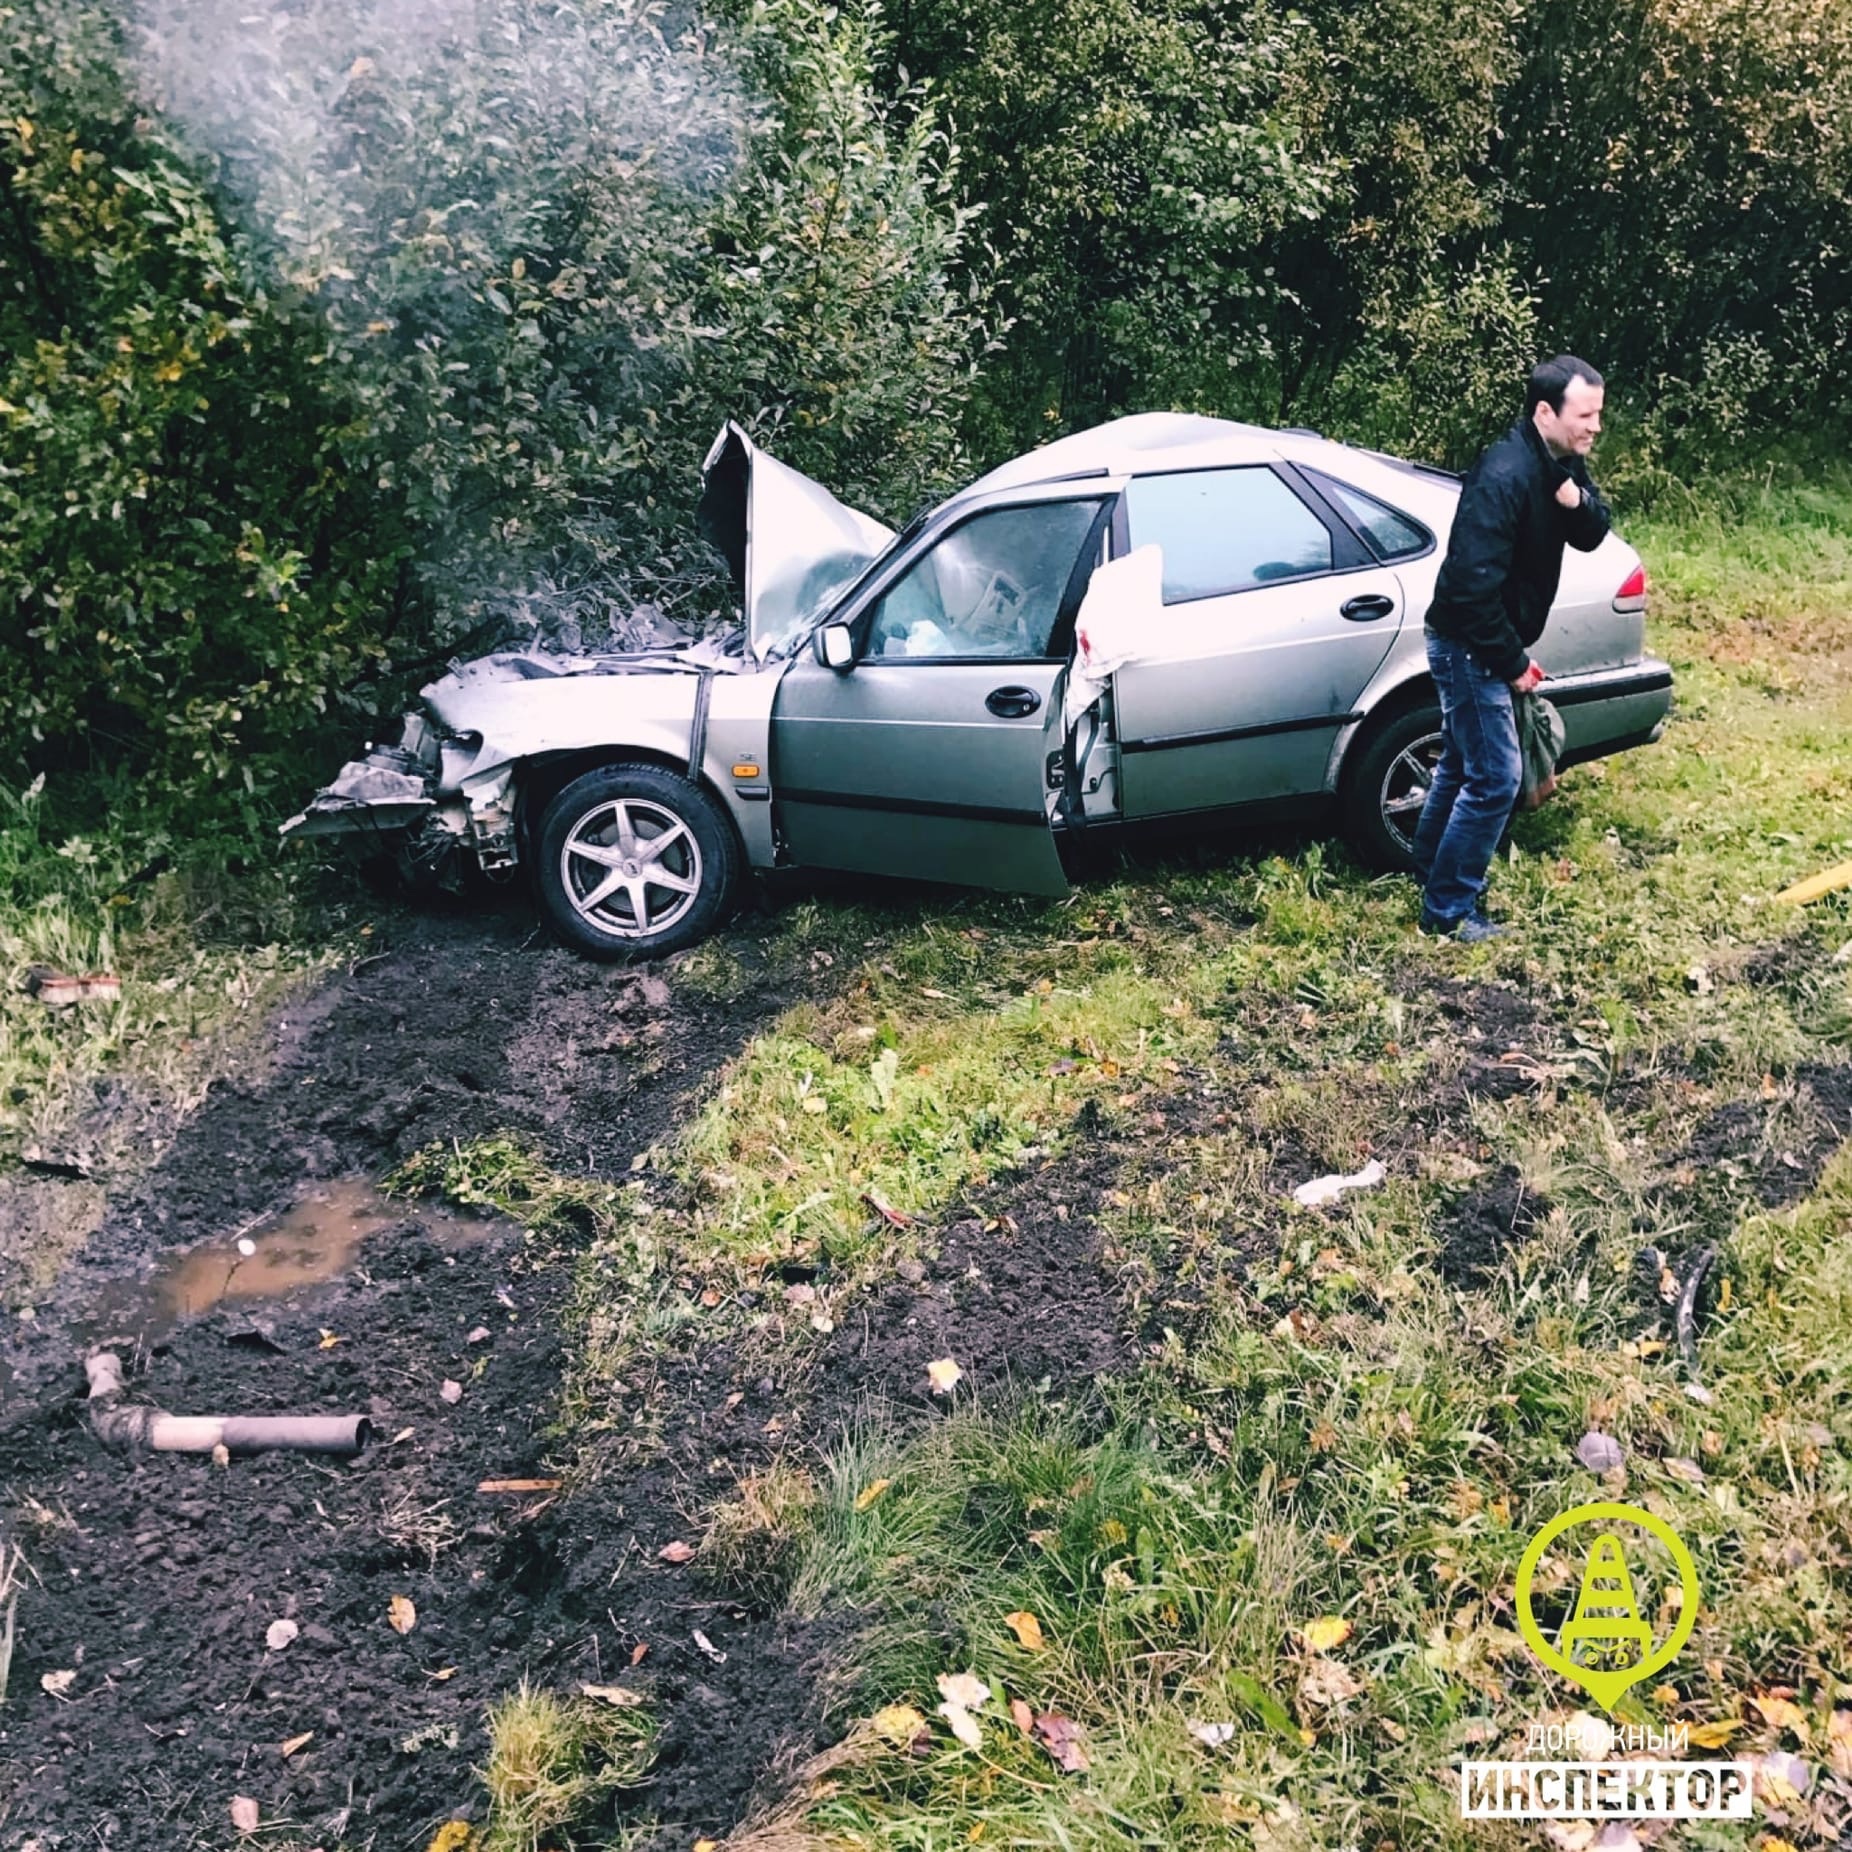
[
  {"x": 1136, "y": 164},
  {"x": 169, "y": 477},
  {"x": 339, "y": 338}
]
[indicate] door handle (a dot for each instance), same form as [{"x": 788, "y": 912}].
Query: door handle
[
  {"x": 1366, "y": 607},
  {"x": 1012, "y": 703}
]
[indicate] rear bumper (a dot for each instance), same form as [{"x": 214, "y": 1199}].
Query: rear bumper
[{"x": 1612, "y": 711}]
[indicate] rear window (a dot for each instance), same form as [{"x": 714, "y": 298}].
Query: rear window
[
  {"x": 1391, "y": 534},
  {"x": 1225, "y": 530}
]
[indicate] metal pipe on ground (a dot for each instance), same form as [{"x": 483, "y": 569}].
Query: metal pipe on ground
[{"x": 134, "y": 1429}]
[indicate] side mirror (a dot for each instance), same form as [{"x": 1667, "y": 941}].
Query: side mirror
[{"x": 836, "y": 648}]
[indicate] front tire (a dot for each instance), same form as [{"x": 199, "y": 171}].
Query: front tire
[
  {"x": 633, "y": 861},
  {"x": 1386, "y": 784}
]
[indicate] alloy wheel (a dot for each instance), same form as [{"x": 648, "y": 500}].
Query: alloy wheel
[
  {"x": 1405, "y": 787},
  {"x": 630, "y": 867}
]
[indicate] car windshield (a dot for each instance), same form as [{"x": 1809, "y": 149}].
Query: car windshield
[{"x": 830, "y": 591}]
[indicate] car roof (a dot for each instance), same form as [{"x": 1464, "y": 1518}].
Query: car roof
[{"x": 1151, "y": 442}]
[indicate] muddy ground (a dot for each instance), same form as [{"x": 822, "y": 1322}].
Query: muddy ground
[{"x": 154, "y": 1582}]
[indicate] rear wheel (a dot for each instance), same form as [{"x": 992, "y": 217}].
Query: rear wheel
[
  {"x": 633, "y": 861},
  {"x": 1386, "y": 785}
]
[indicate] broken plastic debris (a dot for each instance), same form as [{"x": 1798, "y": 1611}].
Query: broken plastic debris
[{"x": 1322, "y": 1190}]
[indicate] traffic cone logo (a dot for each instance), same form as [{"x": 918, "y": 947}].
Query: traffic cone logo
[
  {"x": 1606, "y": 1633},
  {"x": 1605, "y": 1645}
]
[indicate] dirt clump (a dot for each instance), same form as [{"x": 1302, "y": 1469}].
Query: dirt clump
[
  {"x": 1774, "y": 1149},
  {"x": 1486, "y": 1224}
]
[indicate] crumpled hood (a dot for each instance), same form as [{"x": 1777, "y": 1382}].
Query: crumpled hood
[
  {"x": 791, "y": 544},
  {"x": 472, "y": 691}
]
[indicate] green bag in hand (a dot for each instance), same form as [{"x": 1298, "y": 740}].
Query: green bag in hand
[{"x": 1540, "y": 745}]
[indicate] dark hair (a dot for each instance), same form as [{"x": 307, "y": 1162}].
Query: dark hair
[{"x": 1552, "y": 378}]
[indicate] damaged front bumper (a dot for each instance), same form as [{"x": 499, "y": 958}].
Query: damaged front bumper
[{"x": 418, "y": 802}]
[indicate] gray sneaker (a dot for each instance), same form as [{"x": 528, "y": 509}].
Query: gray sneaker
[{"x": 1474, "y": 929}]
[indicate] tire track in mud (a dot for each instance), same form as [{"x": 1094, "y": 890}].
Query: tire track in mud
[{"x": 155, "y": 1580}]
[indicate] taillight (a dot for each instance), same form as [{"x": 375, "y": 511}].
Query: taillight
[{"x": 1632, "y": 594}]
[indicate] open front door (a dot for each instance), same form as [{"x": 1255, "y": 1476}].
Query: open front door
[{"x": 931, "y": 757}]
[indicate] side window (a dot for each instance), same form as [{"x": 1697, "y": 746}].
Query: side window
[
  {"x": 1391, "y": 535},
  {"x": 1225, "y": 530},
  {"x": 992, "y": 587}
]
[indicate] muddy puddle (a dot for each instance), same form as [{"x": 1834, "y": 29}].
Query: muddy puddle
[{"x": 315, "y": 1240}]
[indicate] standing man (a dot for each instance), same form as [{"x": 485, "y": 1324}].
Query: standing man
[{"x": 1526, "y": 497}]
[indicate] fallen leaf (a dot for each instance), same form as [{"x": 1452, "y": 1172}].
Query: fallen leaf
[
  {"x": 403, "y": 1434},
  {"x": 870, "y": 1492},
  {"x": 443, "y": 1677},
  {"x": 964, "y": 1725},
  {"x": 1026, "y": 1628},
  {"x": 1600, "y": 1453},
  {"x": 898, "y": 1724},
  {"x": 944, "y": 1375},
  {"x": 1839, "y": 1735},
  {"x": 244, "y": 1814},
  {"x": 297, "y": 1742},
  {"x": 621, "y": 1695},
  {"x": 1781, "y": 1779},
  {"x": 519, "y": 1485},
  {"x": 1780, "y": 1714},
  {"x": 637, "y": 1652},
  {"x": 1715, "y": 1735},
  {"x": 452, "y": 1392},
  {"x": 679, "y": 1551},
  {"x": 452, "y": 1836},
  {"x": 221, "y": 1455},
  {"x": 1326, "y": 1682},
  {"x": 1060, "y": 1736},
  {"x": 1688, "y": 1470},
  {"x": 964, "y": 1689},
  {"x": 1213, "y": 1735},
  {"x": 1326, "y": 1633},
  {"x": 895, "y": 1218},
  {"x": 707, "y": 1845},
  {"x": 279, "y": 1634},
  {"x": 58, "y": 1683},
  {"x": 401, "y": 1613},
  {"x": 480, "y": 1335},
  {"x": 709, "y": 1648},
  {"x": 1022, "y": 1715},
  {"x": 329, "y": 1341}
]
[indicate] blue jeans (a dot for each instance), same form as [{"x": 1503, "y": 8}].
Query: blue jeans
[{"x": 1475, "y": 785}]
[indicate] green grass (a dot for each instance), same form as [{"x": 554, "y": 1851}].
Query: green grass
[
  {"x": 1331, "y": 1428},
  {"x": 1340, "y": 1433}
]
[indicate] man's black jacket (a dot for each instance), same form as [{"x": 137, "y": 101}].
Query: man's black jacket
[{"x": 1505, "y": 555}]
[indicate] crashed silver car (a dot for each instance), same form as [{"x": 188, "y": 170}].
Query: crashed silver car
[{"x": 1166, "y": 617}]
